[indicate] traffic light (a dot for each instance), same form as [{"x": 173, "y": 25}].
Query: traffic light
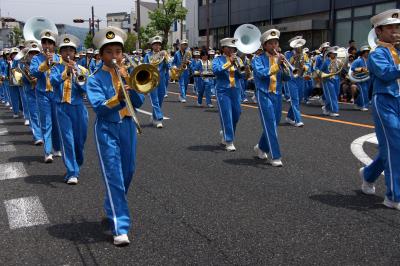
[{"x": 78, "y": 20}]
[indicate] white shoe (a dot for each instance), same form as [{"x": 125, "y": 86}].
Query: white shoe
[
  {"x": 276, "y": 163},
  {"x": 391, "y": 204},
  {"x": 245, "y": 100},
  {"x": 26, "y": 123},
  {"x": 260, "y": 154},
  {"x": 363, "y": 109},
  {"x": 300, "y": 124},
  {"x": 15, "y": 116},
  {"x": 254, "y": 99},
  {"x": 38, "y": 142},
  {"x": 72, "y": 181},
  {"x": 182, "y": 100},
  {"x": 48, "y": 158},
  {"x": 158, "y": 124},
  {"x": 166, "y": 96},
  {"x": 210, "y": 105},
  {"x": 230, "y": 147},
  {"x": 199, "y": 104},
  {"x": 366, "y": 187},
  {"x": 57, "y": 154},
  {"x": 121, "y": 240},
  {"x": 324, "y": 111},
  {"x": 290, "y": 121},
  {"x": 7, "y": 104},
  {"x": 334, "y": 114},
  {"x": 308, "y": 102}
]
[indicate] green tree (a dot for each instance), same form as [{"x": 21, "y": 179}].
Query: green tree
[
  {"x": 130, "y": 43},
  {"x": 145, "y": 34},
  {"x": 88, "y": 40},
  {"x": 164, "y": 16},
  {"x": 15, "y": 36}
]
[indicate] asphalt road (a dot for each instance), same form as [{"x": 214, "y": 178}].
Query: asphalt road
[{"x": 194, "y": 203}]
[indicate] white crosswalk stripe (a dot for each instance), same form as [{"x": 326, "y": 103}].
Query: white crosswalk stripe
[
  {"x": 6, "y": 147},
  {"x": 12, "y": 171},
  {"x": 25, "y": 212},
  {"x": 1, "y": 122},
  {"x": 3, "y": 131}
]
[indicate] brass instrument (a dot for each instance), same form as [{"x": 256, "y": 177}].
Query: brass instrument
[
  {"x": 286, "y": 64},
  {"x": 206, "y": 70},
  {"x": 337, "y": 64},
  {"x": 158, "y": 58},
  {"x": 77, "y": 75},
  {"x": 184, "y": 64}
]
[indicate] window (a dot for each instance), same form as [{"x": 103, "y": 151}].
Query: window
[
  {"x": 344, "y": 13},
  {"x": 343, "y": 33},
  {"x": 363, "y": 11},
  {"x": 360, "y": 32},
  {"x": 385, "y": 6}
]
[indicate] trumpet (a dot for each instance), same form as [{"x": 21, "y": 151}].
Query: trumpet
[
  {"x": 286, "y": 64},
  {"x": 127, "y": 99},
  {"x": 77, "y": 74}
]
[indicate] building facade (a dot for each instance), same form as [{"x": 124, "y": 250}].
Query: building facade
[{"x": 337, "y": 21}]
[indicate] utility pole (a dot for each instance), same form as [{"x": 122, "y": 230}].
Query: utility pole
[
  {"x": 181, "y": 26},
  {"x": 208, "y": 24},
  {"x": 92, "y": 21},
  {"x": 138, "y": 20}
]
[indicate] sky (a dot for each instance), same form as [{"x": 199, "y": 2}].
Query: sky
[{"x": 64, "y": 11}]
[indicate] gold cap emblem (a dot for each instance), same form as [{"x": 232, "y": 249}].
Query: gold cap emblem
[
  {"x": 67, "y": 40},
  {"x": 47, "y": 34},
  {"x": 395, "y": 15},
  {"x": 110, "y": 35},
  {"x": 273, "y": 33}
]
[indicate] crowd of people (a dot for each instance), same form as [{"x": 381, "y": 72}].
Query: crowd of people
[{"x": 47, "y": 82}]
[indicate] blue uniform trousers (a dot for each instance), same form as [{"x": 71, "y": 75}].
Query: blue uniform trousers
[
  {"x": 331, "y": 91},
  {"x": 228, "y": 100},
  {"x": 166, "y": 81},
  {"x": 157, "y": 99},
  {"x": 386, "y": 114},
  {"x": 2, "y": 96},
  {"x": 15, "y": 99},
  {"x": 33, "y": 113},
  {"x": 269, "y": 138},
  {"x": 362, "y": 100},
  {"x": 374, "y": 169},
  {"x": 48, "y": 123},
  {"x": 278, "y": 107},
  {"x": 72, "y": 122},
  {"x": 116, "y": 148},
  {"x": 293, "y": 86},
  {"x": 24, "y": 102},
  {"x": 243, "y": 88},
  {"x": 204, "y": 89},
  {"x": 6, "y": 88},
  {"x": 308, "y": 89},
  {"x": 183, "y": 83}
]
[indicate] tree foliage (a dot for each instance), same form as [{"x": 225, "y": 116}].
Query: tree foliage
[
  {"x": 88, "y": 40},
  {"x": 15, "y": 36},
  {"x": 165, "y": 15},
  {"x": 145, "y": 34},
  {"x": 130, "y": 43}
]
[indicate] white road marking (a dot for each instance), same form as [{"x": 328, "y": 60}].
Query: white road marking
[
  {"x": 148, "y": 113},
  {"x": 357, "y": 147},
  {"x": 12, "y": 171},
  {"x": 1, "y": 121},
  {"x": 25, "y": 212},
  {"x": 3, "y": 131},
  {"x": 6, "y": 147}
]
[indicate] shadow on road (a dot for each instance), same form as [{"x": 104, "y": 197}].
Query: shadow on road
[
  {"x": 254, "y": 162},
  {"x": 47, "y": 180},
  {"x": 210, "y": 148}
]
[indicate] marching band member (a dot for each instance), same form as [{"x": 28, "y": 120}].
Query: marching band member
[
  {"x": 14, "y": 83},
  {"x": 296, "y": 82},
  {"x": 6, "y": 76},
  {"x": 157, "y": 95},
  {"x": 195, "y": 65},
  {"x": 331, "y": 82},
  {"x": 90, "y": 59},
  {"x": 228, "y": 91},
  {"x": 182, "y": 60},
  {"x": 211, "y": 56},
  {"x": 29, "y": 86},
  {"x": 40, "y": 68},
  {"x": 82, "y": 58},
  {"x": 205, "y": 82},
  {"x": 68, "y": 80},
  {"x": 96, "y": 60},
  {"x": 308, "y": 84},
  {"x": 384, "y": 68},
  {"x": 268, "y": 78},
  {"x": 360, "y": 66},
  {"x": 115, "y": 132},
  {"x": 2, "y": 78},
  {"x": 319, "y": 60}
]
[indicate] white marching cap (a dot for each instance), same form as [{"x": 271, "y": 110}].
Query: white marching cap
[
  {"x": 297, "y": 43},
  {"x": 109, "y": 34},
  {"x": 90, "y": 51},
  {"x": 68, "y": 40},
  {"x": 6, "y": 50},
  {"x": 14, "y": 50},
  {"x": 269, "y": 35},
  {"x": 211, "y": 52},
  {"x": 295, "y": 38},
  {"x": 33, "y": 47},
  {"x": 365, "y": 48},
  {"x": 96, "y": 52},
  {"x": 184, "y": 41},
  {"x": 332, "y": 50},
  {"x": 196, "y": 53},
  {"x": 325, "y": 45},
  {"x": 229, "y": 42},
  {"x": 157, "y": 38},
  {"x": 48, "y": 34},
  {"x": 388, "y": 17},
  {"x": 306, "y": 50}
]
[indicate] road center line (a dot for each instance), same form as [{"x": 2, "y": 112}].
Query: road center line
[
  {"x": 148, "y": 113},
  {"x": 12, "y": 171},
  {"x": 25, "y": 212}
]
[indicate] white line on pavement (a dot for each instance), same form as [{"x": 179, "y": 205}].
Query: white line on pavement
[
  {"x": 25, "y": 212},
  {"x": 12, "y": 171},
  {"x": 3, "y": 131},
  {"x": 6, "y": 147},
  {"x": 148, "y": 113},
  {"x": 357, "y": 147},
  {"x": 1, "y": 121}
]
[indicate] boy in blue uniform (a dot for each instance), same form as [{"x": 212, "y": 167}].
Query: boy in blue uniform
[
  {"x": 69, "y": 86},
  {"x": 360, "y": 65},
  {"x": 40, "y": 68},
  {"x": 157, "y": 95},
  {"x": 182, "y": 57},
  {"x": 384, "y": 68},
  {"x": 115, "y": 132},
  {"x": 205, "y": 83},
  {"x": 331, "y": 82},
  {"x": 14, "y": 87},
  {"x": 228, "y": 91},
  {"x": 268, "y": 79}
]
